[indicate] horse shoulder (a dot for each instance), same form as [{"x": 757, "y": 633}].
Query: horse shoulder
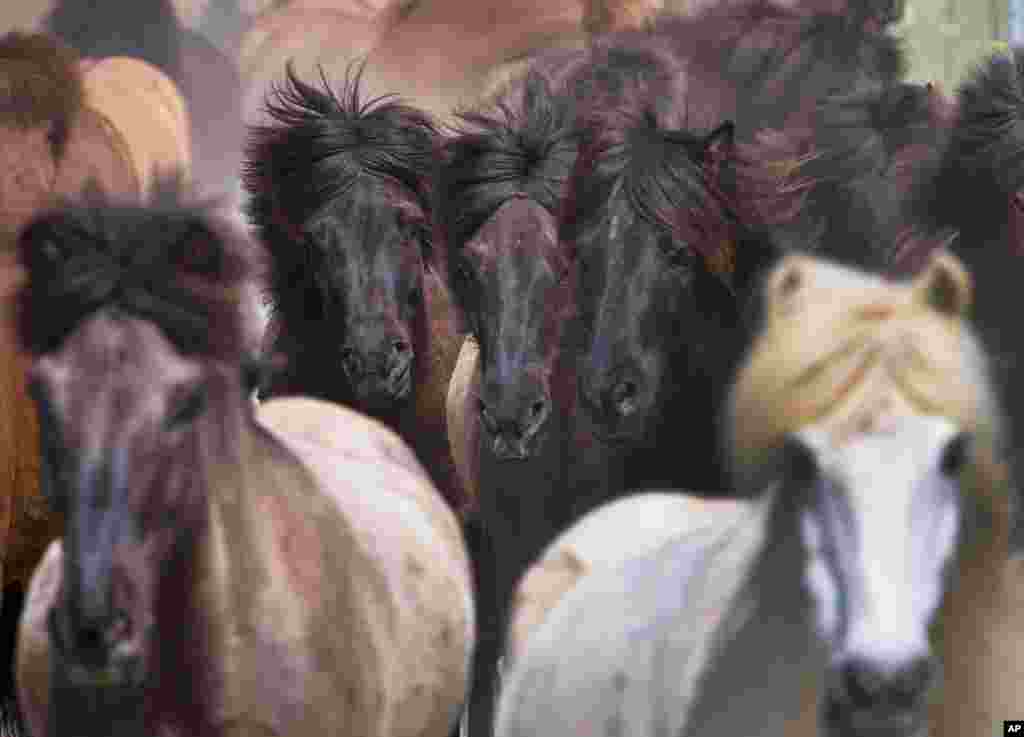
[
  {"x": 627, "y": 640},
  {"x": 462, "y": 427},
  {"x": 412, "y": 585},
  {"x": 640, "y": 524},
  {"x": 32, "y": 665}
]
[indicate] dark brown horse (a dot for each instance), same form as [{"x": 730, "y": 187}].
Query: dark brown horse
[
  {"x": 973, "y": 194},
  {"x": 837, "y": 186},
  {"x": 222, "y": 571},
  {"x": 340, "y": 194},
  {"x": 498, "y": 195}
]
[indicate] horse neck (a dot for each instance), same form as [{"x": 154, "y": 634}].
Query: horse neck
[
  {"x": 764, "y": 648},
  {"x": 245, "y": 602}
]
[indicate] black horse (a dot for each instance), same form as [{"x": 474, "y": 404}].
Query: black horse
[
  {"x": 340, "y": 193},
  {"x": 837, "y": 187},
  {"x": 972, "y": 193}
]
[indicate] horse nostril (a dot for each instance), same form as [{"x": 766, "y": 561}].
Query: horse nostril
[
  {"x": 350, "y": 361},
  {"x": 537, "y": 408},
  {"x": 624, "y": 397},
  {"x": 909, "y": 685},
  {"x": 120, "y": 627},
  {"x": 861, "y": 683},
  {"x": 400, "y": 347}
]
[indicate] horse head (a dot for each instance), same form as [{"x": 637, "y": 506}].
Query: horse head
[
  {"x": 340, "y": 193},
  {"x": 498, "y": 198},
  {"x": 133, "y": 318},
  {"x": 878, "y": 572},
  {"x": 659, "y": 260}
]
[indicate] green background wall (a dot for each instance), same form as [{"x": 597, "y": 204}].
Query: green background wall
[{"x": 946, "y": 38}]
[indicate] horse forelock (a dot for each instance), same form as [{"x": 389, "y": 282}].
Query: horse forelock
[
  {"x": 873, "y": 352},
  {"x": 665, "y": 178},
  {"x": 180, "y": 267}
]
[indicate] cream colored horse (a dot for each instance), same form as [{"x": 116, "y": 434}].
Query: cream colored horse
[{"x": 853, "y": 356}]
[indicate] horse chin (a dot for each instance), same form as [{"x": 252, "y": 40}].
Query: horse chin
[
  {"x": 385, "y": 397},
  {"x": 881, "y": 722},
  {"x": 516, "y": 450}
]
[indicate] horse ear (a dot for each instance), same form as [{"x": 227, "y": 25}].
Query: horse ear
[
  {"x": 786, "y": 283},
  {"x": 719, "y": 142},
  {"x": 944, "y": 285},
  {"x": 43, "y": 245}
]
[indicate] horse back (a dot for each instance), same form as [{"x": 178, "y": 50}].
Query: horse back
[{"x": 409, "y": 584}]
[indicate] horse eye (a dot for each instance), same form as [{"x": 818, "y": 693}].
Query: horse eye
[
  {"x": 954, "y": 456},
  {"x": 187, "y": 408},
  {"x": 415, "y": 296}
]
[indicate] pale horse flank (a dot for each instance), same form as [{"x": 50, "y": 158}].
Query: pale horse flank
[{"x": 806, "y": 611}]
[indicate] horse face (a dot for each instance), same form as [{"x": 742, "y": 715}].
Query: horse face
[
  {"x": 880, "y": 528},
  {"x": 117, "y": 402},
  {"x": 632, "y": 279},
  {"x": 373, "y": 276},
  {"x": 511, "y": 265}
]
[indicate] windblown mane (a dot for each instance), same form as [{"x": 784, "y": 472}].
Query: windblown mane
[
  {"x": 846, "y": 348},
  {"x": 39, "y": 85},
  {"x": 322, "y": 144},
  {"x": 837, "y": 186},
  {"x": 144, "y": 29},
  {"x": 516, "y": 149},
  {"x": 780, "y": 58},
  {"x": 979, "y": 177},
  {"x": 665, "y": 177},
  {"x": 169, "y": 262}
]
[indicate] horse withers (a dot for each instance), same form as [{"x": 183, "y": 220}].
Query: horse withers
[{"x": 223, "y": 570}]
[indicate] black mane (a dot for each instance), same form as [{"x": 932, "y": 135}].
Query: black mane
[
  {"x": 982, "y": 169},
  {"x": 838, "y": 187},
  {"x": 662, "y": 175},
  {"x": 516, "y": 149},
  {"x": 322, "y": 145},
  {"x": 780, "y": 59},
  {"x": 168, "y": 262}
]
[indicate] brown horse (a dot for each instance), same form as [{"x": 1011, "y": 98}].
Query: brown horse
[{"x": 223, "y": 572}]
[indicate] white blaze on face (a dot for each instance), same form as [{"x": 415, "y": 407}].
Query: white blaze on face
[{"x": 882, "y": 528}]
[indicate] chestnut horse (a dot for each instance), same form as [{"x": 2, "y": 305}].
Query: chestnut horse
[
  {"x": 222, "y": 571},
  {"x": 340, "y": 194}
]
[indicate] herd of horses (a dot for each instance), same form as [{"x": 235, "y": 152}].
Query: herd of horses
[{"x": 670, "y": 391}]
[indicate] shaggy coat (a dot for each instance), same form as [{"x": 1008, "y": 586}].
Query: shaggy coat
[
  {"x": 970, "y": 197},
  {"x": 340, "y": 194}
]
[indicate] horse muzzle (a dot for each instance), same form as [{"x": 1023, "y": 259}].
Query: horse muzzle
[
  {"x": 380, "y": 386},
  {"x": 865, "y": 701},
  {"x": 97, "y": 657},
  {"x": 520, "y": 436}
]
